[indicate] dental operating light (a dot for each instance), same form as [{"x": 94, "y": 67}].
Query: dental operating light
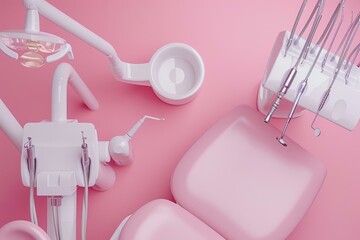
[{"x": 175, "y": 72}]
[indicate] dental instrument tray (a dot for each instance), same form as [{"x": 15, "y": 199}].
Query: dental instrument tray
[
  {"x": 308, "y": 75},
  {"x": 341, "y": 108}
]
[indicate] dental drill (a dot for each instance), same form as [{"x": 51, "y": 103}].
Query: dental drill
[
  {"x": 293, "y": 71},
  {"x": 302, "y": 87}
]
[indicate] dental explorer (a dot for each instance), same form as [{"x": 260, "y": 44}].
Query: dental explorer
[
  {"x": 344, "y": 38},
  {"x": 289, "y": 42},
  {"x": 332, "y": 41},
  {"x": 303, "y": 84},
  {"x": 305, "y": 27},
  {"x": 293, "y": 71},
  {"x": 330, "y": 23},
  {"x": 352, "y": 58},
  {"x": 352, "y": 65},
  {"x": 346, "y": 47}
]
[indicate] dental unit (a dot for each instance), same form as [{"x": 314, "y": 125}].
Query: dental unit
[
  {"x": 223, "y": 187},
  {"x": 309, "y": 86},
  {"x": 175, "y": 71},
  {"x": 60, "y": 155}
]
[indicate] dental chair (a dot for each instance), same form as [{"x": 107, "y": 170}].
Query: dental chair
[{"x": 236, "y": 182}]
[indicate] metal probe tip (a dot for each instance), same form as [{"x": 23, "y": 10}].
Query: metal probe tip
[{"x": 281, "y": 141}]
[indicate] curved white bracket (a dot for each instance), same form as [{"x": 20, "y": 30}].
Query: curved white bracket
[
  {"x": 8, "y": 51},
  {"x": 10, "y": 126},
  {"x": 65, "y": 49},
  {"x": 65, "y": 73}
]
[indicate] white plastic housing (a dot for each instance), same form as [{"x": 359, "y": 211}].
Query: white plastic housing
[
  {"x": 342, "y": 104},
  {"x": 120, "y": 150},
  {"x": 58, "y": 156}
]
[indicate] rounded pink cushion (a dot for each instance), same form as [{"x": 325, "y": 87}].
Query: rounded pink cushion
[
  {"x": 22, "y": 230},
  {"x": 241, "y": 182},
  {"x": 165, "y": 220}
]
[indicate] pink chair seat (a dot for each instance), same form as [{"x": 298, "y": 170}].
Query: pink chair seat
[
  {"x": 162, "y": 219},
  {"x": 237, "y": 180},
  {"x": 241, "y": 182}
]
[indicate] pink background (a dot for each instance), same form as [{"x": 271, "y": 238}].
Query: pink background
[{"x": 234, "y": 37}]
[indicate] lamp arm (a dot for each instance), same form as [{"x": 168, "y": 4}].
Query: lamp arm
[
  {"x": 61, "y": 19},
  {"x": 10, "y": 126}
]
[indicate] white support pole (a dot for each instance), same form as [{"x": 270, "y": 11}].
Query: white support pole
[{"x": 63, "y": 74}]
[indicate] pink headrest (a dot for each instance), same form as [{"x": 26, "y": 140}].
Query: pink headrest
[
  {"x": 241, "y": 182},
  {"x": 22, "y": 230}
]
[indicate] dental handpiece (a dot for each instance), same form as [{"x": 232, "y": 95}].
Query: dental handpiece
[
  {"x": 31, "y": 160},
  {"x": 292, "y": 73},
  {"x": 284, "y": 88}
]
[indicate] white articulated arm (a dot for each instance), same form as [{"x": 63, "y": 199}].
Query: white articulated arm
[
  {"x": 53, "y": 14},
  {"x": 10, "y": 126},
  {"x": 63, "y": 74}
]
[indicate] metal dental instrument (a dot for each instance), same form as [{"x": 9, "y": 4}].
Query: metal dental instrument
[
  {"x": 349, "y": 39},
  {"x": 330, "y": 24},
  {"x": 354, "y": 54},
  {"x": 319, "y": 8},
  {"x": 344, "y": 38},
  {"x": 333, "y": 40},
  {"x": 85, "y": 162},
  {"x": 289, "y": 42},
  {"x": 351, "y": 58},
  {"x": 304, "y": 82},
  {"x": 31, "y": 162},
  {"x": 292, "y": 72}
]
